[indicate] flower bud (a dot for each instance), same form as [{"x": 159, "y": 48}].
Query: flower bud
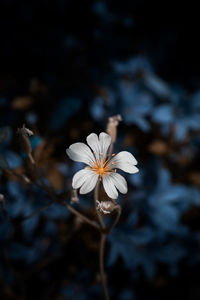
[
  {"x": 74, "y": 197},
  {"x": 106, "y": 207},
  {"x": 112, "y": 126},
  {"x": 25, "y": 144},
  {"x": 1, "y": 197}
]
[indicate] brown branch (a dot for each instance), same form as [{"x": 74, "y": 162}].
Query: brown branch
[
  {"x": 101, "y": 265},
  {"x": 96, "y": 198},
  {"x": 38, "y": 211},
  {"x": 118, "y": 209},
  {"x": 54, "y": 200},
  {"x": 102, "y": 242},
  {"x": 81, "y": 216}
]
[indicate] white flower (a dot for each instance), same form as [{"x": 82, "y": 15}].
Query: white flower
[{"x": 100, "y": 166}]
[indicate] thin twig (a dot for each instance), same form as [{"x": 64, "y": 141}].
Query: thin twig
[
  {"x": 54, "y": 200},
  {"x": 102, "y": 242},
  {"x": 101, "y": 265},
  {"x": 38, "y": 211},
  {"x": 79, "y": 215},
  {"x": 118, "y": 209},
  {"x": 96, "y": 198},
  {"x": 30, "y": 156}
]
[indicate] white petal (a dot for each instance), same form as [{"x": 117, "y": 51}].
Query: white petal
[
  {"x": 109, "y": 187},
  {"x": 125, "y": 161},
  {"x": 125, "y": 156},
  {"x": 105, "y": 141},
  {"x": 94, "y": 144},
  {"x": 119, "y": 182},
  {"x": 80, "y": 152},
  {"x": 80, "y": 177},
  {"x": 126, "y": 167},
  {"x": 74, "y": 156},
  {"x": 89, "y": 184}
]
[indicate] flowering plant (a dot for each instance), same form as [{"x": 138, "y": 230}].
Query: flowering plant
[{"x": 100, "y": 165}]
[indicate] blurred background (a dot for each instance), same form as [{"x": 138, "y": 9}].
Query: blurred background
[{"x": 65, "y": 67}]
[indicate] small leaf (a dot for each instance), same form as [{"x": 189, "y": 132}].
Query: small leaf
[
  {"x": 64, "y": 109},
  {"x": 14, "y": 160},
  {"x": 3, "y": 162},
  {"x": 163, "y": 114},
  {"x": 22, "y": 103},
  {"x": 159, "y": 147}
]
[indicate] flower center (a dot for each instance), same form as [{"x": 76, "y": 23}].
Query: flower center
[
  {"x": 101, "y": 167},
  {"x": 101, "y": 170}
]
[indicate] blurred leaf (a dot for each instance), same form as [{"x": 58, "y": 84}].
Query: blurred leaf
[
  {"x": 128, "y": 294},
  {"x": 5, "y": 134},
  {"x": 97, "y": 108},
  {"x": 50, "y": 228},
  {"x": 14, "y": 160},
  {"x": 3, "y": 162},
  {"x": 157, "y": 85},
  {"x": 5, "y": 230},
  {"x": 56, "y": 211},
  {"x": 163, "y": 114},
  {"x": 55, "y": 177},
  {"x": 29, "y": 226},
  {"x": 195, "y": 178},
  {"x": 35, "y": 141},
  {"x": 63, "y": 110},
  {"x": 29, "y": 254},
  {"x": 22, "y": 103},
  {"x": 133, "y": 66},
  {"x": 159, "y": 147},
  {"x": 43, "y": 151},
  {"x": 166, "y": 216}
]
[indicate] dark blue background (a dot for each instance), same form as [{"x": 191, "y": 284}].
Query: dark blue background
[{"x": 65, "y": 67}]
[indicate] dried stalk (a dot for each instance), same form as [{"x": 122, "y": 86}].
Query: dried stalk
[
  {"x": 101, "y": 265},
  {"x": 54, "y": 200},
  {"x": 96, "y": 198},
  {"x": 102, "y": 243}
]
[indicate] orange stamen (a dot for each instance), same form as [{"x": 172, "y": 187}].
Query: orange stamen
[{"x": 101, "y": 167}]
